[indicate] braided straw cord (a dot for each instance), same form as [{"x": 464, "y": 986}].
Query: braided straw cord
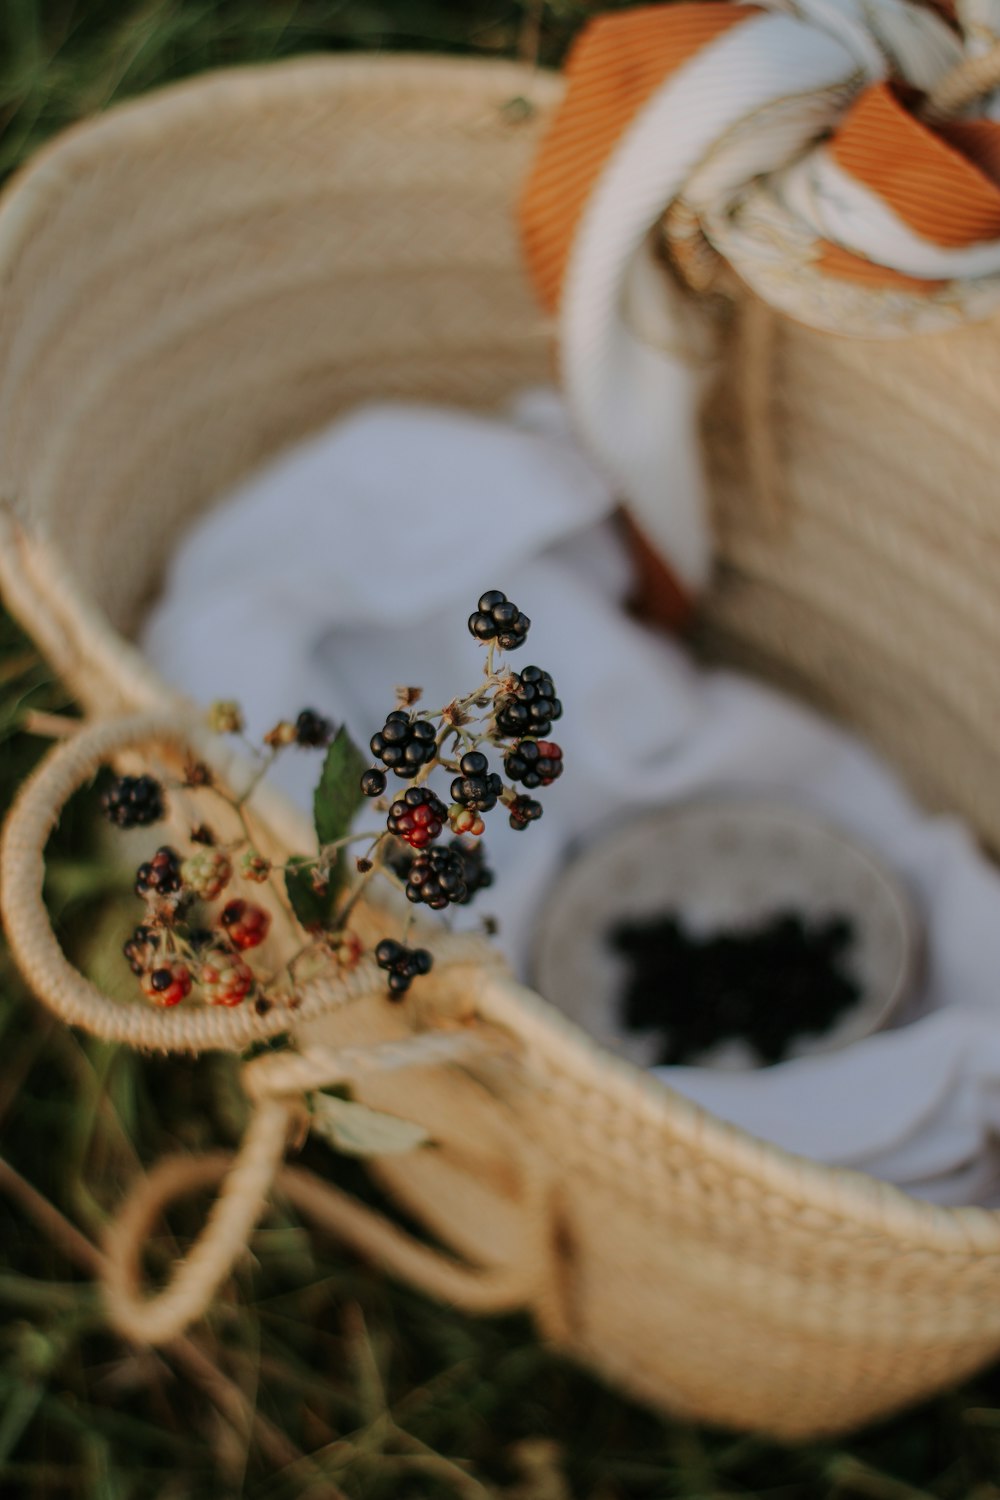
[
  {"x": 277, "y": 1083},
  {"x": 248, "y": 1179}
]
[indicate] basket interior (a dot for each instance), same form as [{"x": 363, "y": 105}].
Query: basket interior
[{"x": 195, "y": 281}]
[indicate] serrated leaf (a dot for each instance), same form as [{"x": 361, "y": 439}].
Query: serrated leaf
[
  {"x": 338, "y": 792},
  {"x": 312, "y": 908},
  {"x": 356, "y": 1130}
]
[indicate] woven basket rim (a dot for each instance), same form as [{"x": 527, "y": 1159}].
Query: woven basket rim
[{"x": 47, "y": 171}]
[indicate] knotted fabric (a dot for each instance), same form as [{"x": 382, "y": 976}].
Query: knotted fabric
[{"x": 842, "y": 156}]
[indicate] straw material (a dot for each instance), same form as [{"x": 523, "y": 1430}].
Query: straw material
[{"x": 195, "y": 280}]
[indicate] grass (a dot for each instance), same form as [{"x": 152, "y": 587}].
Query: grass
[{"x": 314, "y": 1376}]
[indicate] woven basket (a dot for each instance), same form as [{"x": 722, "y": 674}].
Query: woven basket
[{"x": 194, "y": 281}]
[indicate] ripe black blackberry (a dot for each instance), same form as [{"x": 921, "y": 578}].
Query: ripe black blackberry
[
  {"x": 405, "y": 745},
  {"x": 140, "y": 949},
  {"x": 312, "y": 731},
  {"x": 161, "y": 875},
  {"x": 417, "y": 817},
  {"x": 534, "y": 763},
  {"x": 373, "y": 782},
  {"x": 523, "y": 810},
  {"x": 478, "y": 787},
  {"x": 437, "y": 879},
  {"x": 133, "y": 801},
  {"x": 402, "y": 964},
  {"x": 496, "y": 618},
  {"x": 532, "y": 706},
  {"x": 478, "y": 875}
]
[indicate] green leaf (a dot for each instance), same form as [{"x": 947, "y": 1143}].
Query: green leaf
[
  {"x": 311, "y": 907},
  {"x": 357, "y": 1130},
  {"x": 338, "y": 794}
]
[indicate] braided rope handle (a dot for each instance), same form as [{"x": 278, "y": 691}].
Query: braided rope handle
[
  {"x": 26, "y": 921},
  {"x": 275, "y": 1082},
  {"x": 71, "y": 996}
]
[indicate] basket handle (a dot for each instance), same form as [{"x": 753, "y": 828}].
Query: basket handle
[
  {"x": 53, "y": 978},
  {"x": 276, "y": 1081},
  {"x": 68, "y": 993}
]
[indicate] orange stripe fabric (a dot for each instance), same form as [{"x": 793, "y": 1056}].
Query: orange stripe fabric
[
  {"x": 844, "y": 265},
  {"x": 931, "y": 186},
  {"x": 617, "y": 64}
]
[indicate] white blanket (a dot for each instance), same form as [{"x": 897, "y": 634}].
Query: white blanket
[{"x": 350, "y": 565}]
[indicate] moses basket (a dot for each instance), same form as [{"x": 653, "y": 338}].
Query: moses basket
[{"x": 197, "y": 279}]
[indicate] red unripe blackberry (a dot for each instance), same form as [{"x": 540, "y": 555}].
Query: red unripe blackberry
[
  {"x": 496, "y": 618},
  {"x": 534, "y": 763},
  {"x": 140, "y": 950},
  {"x": 312, "y": 731},
  {"x": 161, "y": 875},
  {"x": 523, "y": 810},
  {"x": 373, "y": 782},
  {"x": 133, "y": 802},
  {"x": 168, "y": 984},
  {"x": 405, "y": 745},
  {"x": 225, "y": 978},
  {"x": 418, "y": 817},
  {"x": 245, "y": 924},
  {"x": 477, "y": 788},
  {"x": 402, "y": 964},
  {"x": 437, "y": 879},
  {"x": 532, "y": 706}
]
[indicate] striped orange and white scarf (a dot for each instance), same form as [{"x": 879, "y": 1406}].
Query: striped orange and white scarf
[{"x": 843, "y": 156}]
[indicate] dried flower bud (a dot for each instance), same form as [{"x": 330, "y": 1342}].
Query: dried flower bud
[
  {"x": 407, "y": 696},
  {"x": 225, "y": 717},
  {"x": 196, "y": 773},
  {"x": 455, "y": 715},
  {"x": 255, "y": 867},
  {"x": 283, "y": 733},
  {"x": 347, "y": 950}
]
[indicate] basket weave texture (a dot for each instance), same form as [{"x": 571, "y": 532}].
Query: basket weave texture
[{"x": 196, "y": 280}]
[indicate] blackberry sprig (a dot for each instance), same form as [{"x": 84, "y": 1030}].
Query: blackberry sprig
[
  {"x": 477, "y": 788},
  {"x": 529, "y": 706},
  {"x": 161, "y": 875},
  {"x": 417, "y": 817},
  {"x": 133, "y": 802},
  {"x": 405, "y": 745},
  {"x": 200, "y": 932},
  {"x": 534, "y": 763},
  {"x": 403, "y": 965},
  {"x": 437, "y": 879},
  {"x": 496, "y": 618}
]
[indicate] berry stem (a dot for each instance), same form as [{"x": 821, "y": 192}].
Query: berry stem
[
  {"x": 374, "y": 854},
  {"x": 349, "y": 838}
]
